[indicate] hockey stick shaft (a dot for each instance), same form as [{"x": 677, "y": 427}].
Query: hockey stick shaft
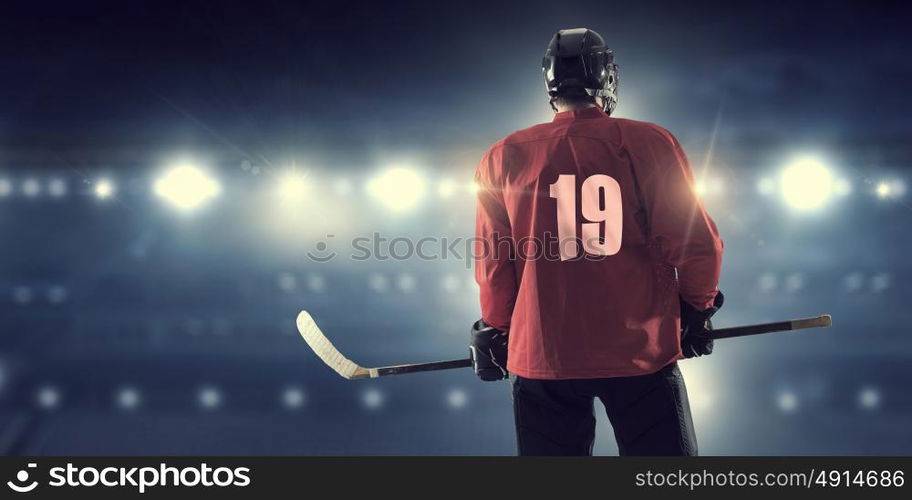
[
  {"x": 424, "y": 367},
  {"x": 779, "y": 326},
  {"x": 722, "y": 333}
]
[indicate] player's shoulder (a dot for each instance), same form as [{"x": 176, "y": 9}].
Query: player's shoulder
[
  {"x": 508, "y": 152},
  {"x": 532, "y": 133},
  {"x": 526, "y": 135},
  {"x": 520, "y": 137},
  {"x": 643, "y": 131}
]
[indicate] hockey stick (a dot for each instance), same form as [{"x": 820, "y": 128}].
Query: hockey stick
[
  {"x": 823, "y": 321},
  {"x": 321, "y": 345}
]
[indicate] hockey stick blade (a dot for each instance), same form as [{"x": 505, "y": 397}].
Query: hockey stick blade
[
  {"x": 351, "y": 370},
  {"x": 323, "y": 348}
]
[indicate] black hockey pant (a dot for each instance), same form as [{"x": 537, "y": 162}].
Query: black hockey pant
[{"x": 649, "y": 413}]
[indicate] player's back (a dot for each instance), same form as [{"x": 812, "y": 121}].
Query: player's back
[{"x": 584, "y": 202}]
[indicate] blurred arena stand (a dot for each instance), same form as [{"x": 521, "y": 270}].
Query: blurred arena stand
[{"x": 130, "y": 325}]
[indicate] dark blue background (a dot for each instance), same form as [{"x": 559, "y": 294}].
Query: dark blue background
[{"x": 98, "y": 298}]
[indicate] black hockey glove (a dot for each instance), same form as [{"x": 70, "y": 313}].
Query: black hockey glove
[
  {"x": 696, "y": 328},
  {"x": 489, "y": 352}
]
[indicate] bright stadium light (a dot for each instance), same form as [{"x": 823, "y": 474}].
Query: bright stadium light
[
  {"x": 342, "y": 186},
  {"x": 372, "y": 399},
  {"x": 104, "y": 189},
  {"x": 292, "y": 187},
  {"x": 187, "y": 187},
  {"x": 806, "y": 184},
  {"x": 48, "y": 397},
  {"x": 57, "y": 188},
  {"x": 704, "y": 400},
  {"x": 293, "y": 398},
  {"x": 31, "y": 188},
  {"x": 209, "y": 398},
  {"x": 869, "y": 398},
  {"x": 883, "y": 190},
  {"x": 446, "y": 188},
  {"x": 378, "y": 283},
  {"x": 712, "y": 186},
  {"x": 889, "y": 189},
  {"x": 6, "y": 188},
  {"x": 400, "y": 189},
  {"x": 787, "y": 401},
  {"x": 128, "y": 398},
  {"x": 457, "y": 399}
]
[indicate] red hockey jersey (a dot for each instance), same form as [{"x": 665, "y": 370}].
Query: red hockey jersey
[{"x": 588, "y": 229}]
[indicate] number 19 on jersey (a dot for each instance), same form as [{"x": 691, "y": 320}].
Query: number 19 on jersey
[{"x": 600, "y": 201}]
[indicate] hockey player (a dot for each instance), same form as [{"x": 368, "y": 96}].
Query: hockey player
[{"x": 598, "y": 267}]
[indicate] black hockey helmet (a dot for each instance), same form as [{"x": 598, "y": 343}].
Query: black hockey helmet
[{"x": 577, "y": 63}]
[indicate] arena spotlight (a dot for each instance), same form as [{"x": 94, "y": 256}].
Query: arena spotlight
[
  {"x": 869, "y": 398},
  {"x": 378, "y": 283},
  {"x": 128, "y": 398},
  {"x": 209, "y": 398},
  {"x": 31, "y": 188},
  {"x": 6, "y": 188},
  {"x": 186, "y": 187},
  {"x": 57, "y": 188},
  {"x": 705, "y": 399},
  {"x": 400, "y": 189},
  {"x": 709, "y": 187},
  {"x": 806, "y": 184},
  {"x": 292, "y": 187},
  {"x": 342, "y": 186},
  {"x": 104, "y": 189},
  {"x": 48, "y": 397},
  {"x": 787, "y": 401},
  {"x": 316, "y": 283},
  {"x": 889, "y": 189},
  {"x": 457, "y": 399},
  {"x": 372, "y": 399},
  {"x": 22, "y": 295},
  {"x": 446, "y": 188},
  {"x": 293, "y": 398}
]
